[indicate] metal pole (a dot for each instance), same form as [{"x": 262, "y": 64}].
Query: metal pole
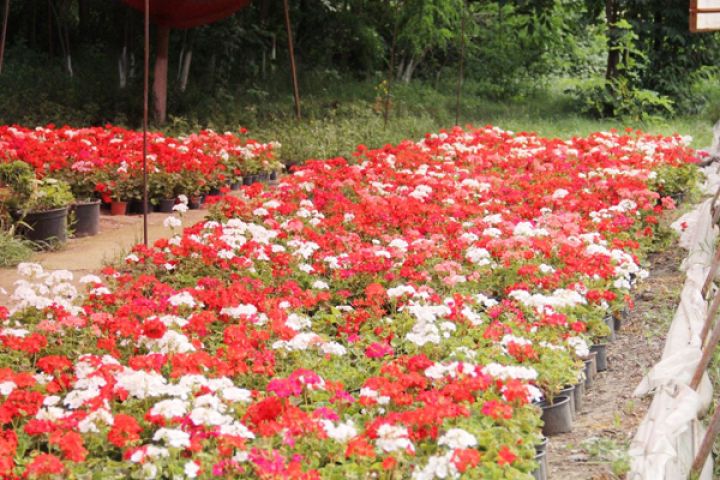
[
  {"x": 293, "y": 69},
  {"x": 462, "y": 65},
  {"x": 4, "y": 33},
  {"x": 146, "y": 80}
]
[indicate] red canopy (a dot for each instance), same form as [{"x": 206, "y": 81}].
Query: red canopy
[{"x": 188, "y": 13}]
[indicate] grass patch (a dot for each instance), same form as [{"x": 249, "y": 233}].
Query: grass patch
[
  {"x": 341, "y": 113},
  {"x": 13, "y": 250}
]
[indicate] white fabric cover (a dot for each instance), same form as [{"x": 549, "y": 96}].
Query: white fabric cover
[{"x": 665, "y": 443}]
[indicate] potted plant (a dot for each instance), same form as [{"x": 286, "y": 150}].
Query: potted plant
[
  {"x": 163, "y": 189},
  {"x": 191, "y": 183},
  {"x": 85, "y": 211},
  {"x": 44, "y": 215}
]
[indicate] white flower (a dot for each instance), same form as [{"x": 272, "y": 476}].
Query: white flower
[
  {"x": 90, "y": 279},
  {"x": 236, "y": 429},
  {"x": 182, "y": 299},
  {"x": 180, "y": 208},
  {"x": 246, "y": 310},
  {"x": 172, "y": 222},
  {"x": 342, "y": 432},
  {"x": 438, "y": 466},
  {"x": 559, "y": 194},
  {"x": 393, "y": 437},
  {"x": 170, "y": 408},
  {"x": 173, "y": 437},
  {"x": 458, "y": 438},
  {"x": 235, "y": 394},
  {"x": 7, "y": 387},
  {"x": 191, "y": 469},
  {"x": 320, "y": 285}
]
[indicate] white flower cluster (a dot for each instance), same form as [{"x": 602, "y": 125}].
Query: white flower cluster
[
  {"x": 478, "y": 256},
  {"x": 393, "y": 437},
  {"x": 560, "y": 298},
  {"x": 40, "y": 289},
  {"x": 427, "y": 328}
]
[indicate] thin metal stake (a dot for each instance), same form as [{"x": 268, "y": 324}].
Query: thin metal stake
[
  {"x": 146, "y": 79},
  {"x": 4, "y": 33},
  {"x": 293, "y": 69}
]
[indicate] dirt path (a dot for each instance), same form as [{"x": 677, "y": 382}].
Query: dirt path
[
  {"x": 83, "y": 255},
  {"x": 596, "y": 448}
]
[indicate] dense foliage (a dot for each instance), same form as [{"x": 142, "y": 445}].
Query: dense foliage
[{"x": 629, "y": 58}]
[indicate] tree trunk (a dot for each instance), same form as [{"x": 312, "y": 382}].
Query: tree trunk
[
  {"x": 123, "y": 68},
  {"x": 160, "y": 77},
  {"x": 613, "y": 58},
  {"x": 185, "y": 70}
]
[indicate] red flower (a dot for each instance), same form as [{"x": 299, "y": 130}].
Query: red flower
[
  {"x": 154, "y": 328},
  {"x": 44, "y": 464},
  {"x": 505, "y": 456},
  {"x": 125, "y": 430},
  {"x": 465, "y": 458}
]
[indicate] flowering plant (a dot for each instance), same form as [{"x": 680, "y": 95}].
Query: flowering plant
[{"x": 394, "y": 316}]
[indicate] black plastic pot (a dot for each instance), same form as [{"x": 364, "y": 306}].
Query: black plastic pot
[
  {"x": 601, "y": 358},
  {"x": 135, "y": 206},
  {"x": 557, "y": 417},
  {"x": 590, "y": 369},
  {"x": 569, "y": 392},
  {"x": 214, "y": 192},
  {"x": 541, "y": 472},
  {"x": 578, "y": 395},
  {"x": 273, "y": 175},
  {"x": 87, "y": 218},
  {"x": 47, "y": 226},
  {"x": 610, "y": 322},
  {"x": 235, "y": 186},
  {"x": 194, "y": 202},
  {"x": 165, "y": 205}
]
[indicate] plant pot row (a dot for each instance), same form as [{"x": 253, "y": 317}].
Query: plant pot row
[
  {"x": 51, "y": 226},
  {"x": 163, "y": 205},
  {"x": 559, "y": 414}
]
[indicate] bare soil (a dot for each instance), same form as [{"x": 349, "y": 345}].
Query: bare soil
[{"x": 596, "y": 448}]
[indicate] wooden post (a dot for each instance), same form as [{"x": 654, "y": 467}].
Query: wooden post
[
  {"x": 291, "y": 51},
  {"x": 146, "y": 94},
  {"x": 712, "y": 311},
  {"x": 707, "y": 354},
  {"x": 462, "y": 64},
  {"x": 707, "y": 443},
  {"x": 3, "y": 37},
  {"x": 161, "y": 74},
  {"x": 711, "y": 273}
]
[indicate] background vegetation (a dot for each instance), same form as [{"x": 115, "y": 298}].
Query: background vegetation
[{"x": 560, "y": 67}]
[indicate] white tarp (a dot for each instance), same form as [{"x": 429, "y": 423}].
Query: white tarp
[{"x": 665, "y": 443}]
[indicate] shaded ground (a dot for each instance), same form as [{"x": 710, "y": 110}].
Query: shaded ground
[
  {"x": 596, "y": 448},
  {"x": 89, "y": 254}
]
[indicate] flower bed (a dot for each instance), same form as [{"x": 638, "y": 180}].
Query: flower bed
[
  {"x": 392, "y": 317},
  {"x": 108, "y": 160}
]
